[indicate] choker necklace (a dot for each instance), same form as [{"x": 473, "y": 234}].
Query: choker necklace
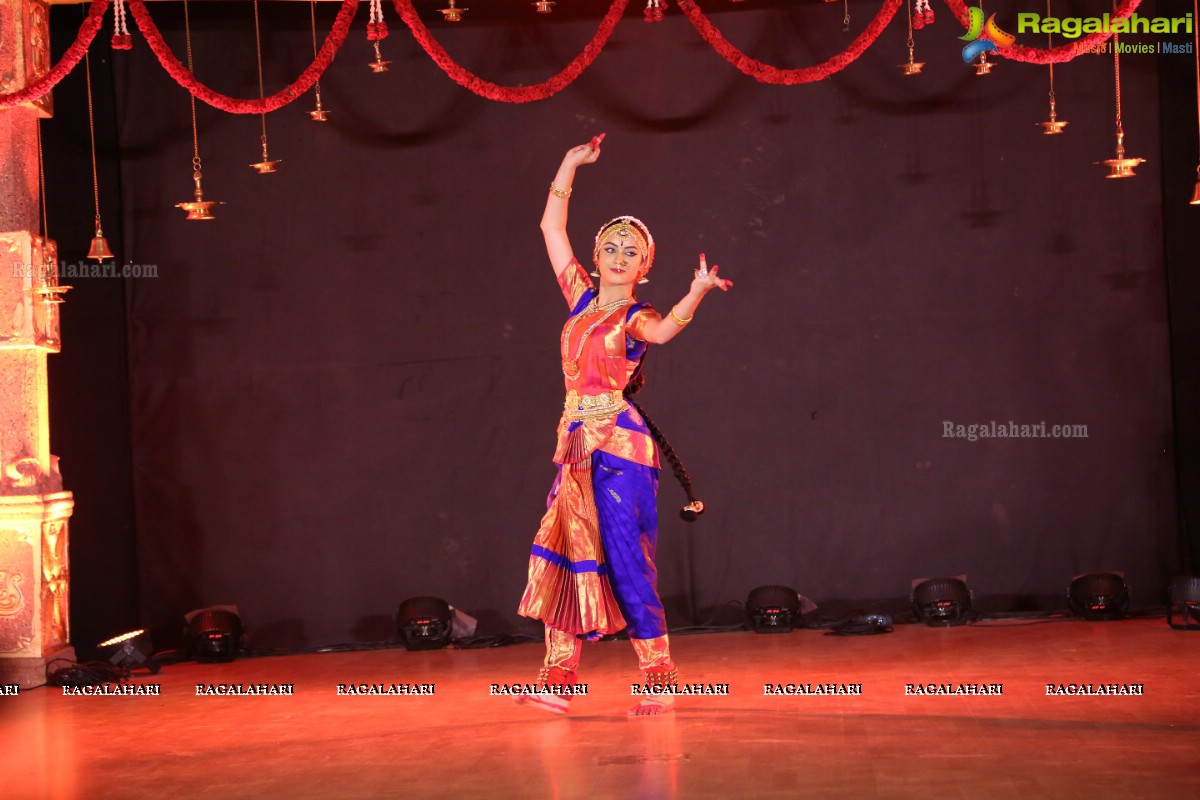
[{"x": 570, "y": 366}]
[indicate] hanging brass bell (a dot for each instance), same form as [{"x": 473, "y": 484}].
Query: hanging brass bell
[{"x": 99, "y": 249}]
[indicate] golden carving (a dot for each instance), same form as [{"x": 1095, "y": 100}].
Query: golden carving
[
  {"x": 9, "y": 81},
  {"x": 25, "y": 57},
  {"x": 21, "y": 473},
  {"x": 35, "y": 318},
  {"x": 46, "y": 313},
  {"x": 55, "y": 616},
  {"x": 38, "y": 55},
  {"x": 39, "y": 41},
  {"x": 12, "y": 600}
]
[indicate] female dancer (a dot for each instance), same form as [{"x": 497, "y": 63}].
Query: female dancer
[{"x": 592, "y": 571}]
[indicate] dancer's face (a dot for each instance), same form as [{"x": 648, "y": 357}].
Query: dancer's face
[{"x": 620, "y": 260}]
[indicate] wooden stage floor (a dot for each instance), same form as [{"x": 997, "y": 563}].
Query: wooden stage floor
[{"x": 462, "y": 742}]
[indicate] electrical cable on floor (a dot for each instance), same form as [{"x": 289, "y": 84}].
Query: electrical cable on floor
[{"x": 89, "y": 673}]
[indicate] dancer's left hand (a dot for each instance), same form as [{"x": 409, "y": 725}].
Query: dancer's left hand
[{"x": 706, "y": 278}]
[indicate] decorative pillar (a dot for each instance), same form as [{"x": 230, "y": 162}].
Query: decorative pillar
[{"x": 34, "y": 509}]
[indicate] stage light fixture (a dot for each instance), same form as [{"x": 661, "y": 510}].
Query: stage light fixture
[
  {"x": 942, "y": 602},
  {"x": 1185, "y": 603},
  {"x": 214, "y": 634},
  {"x": 130, "y": 650},
  {"x": 1098, "y": 596},
  {"x": 424, "y": 623},
  {"x": 773, "y": 609}
]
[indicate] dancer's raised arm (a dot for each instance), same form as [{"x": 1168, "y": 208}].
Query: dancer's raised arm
[
  {"x": 554, "y": 218},
  {"x": 603, "y": 499},
  {"x": 663, "y": 330}
]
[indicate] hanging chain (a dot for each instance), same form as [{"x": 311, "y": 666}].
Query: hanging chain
[
  {"x": 42, "y": 181},
  {"x": 312, "y": 13},
  {"x": 911, "y": 44},
  {"x": 87, "y": 68},
  {"x": 1049, "y": 46},
  {"x": 1196, "y": 35},
  {"x": 258, "y": 52},
  {"x": 1117, "y": 80},
  {"x": 187, "y": 31}
]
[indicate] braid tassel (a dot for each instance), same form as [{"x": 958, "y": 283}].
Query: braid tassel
[{"x": 695, "y": 507}]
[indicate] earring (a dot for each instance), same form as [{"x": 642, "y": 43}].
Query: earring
[{"x": 643, "y": 279}]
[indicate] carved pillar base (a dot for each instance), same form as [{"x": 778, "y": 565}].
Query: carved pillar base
[{"x": 34, "y": 574}]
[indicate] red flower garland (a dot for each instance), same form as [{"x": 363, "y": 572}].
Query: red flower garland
[
  {"x": 1053, "y": 55},
  {"x": 511, "y": 94},
  {"x": 765, "y": 73},
  {"x": 182, "y": 76},
  {"x": 68, "y": 62},
  {"x": 761, "y": 72}
]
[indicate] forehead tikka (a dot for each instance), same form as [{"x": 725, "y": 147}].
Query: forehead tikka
[{"x": 627, "y": 226}]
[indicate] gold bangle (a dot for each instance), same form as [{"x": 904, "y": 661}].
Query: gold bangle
[
  {"x": 678, "y": 320},
  {"x": 557, "y": 192}
]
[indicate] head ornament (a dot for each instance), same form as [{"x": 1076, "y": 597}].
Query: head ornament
[{"x": 629, "y": 227}]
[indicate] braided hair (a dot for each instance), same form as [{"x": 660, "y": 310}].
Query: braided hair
[{"x": 695, "y": 507}]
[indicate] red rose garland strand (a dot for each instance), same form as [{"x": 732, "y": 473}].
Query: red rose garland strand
[
  {"x": 511, "y": 94},
  {"x": 761, "y": 72},
  {"x": 337, "y": 35},
  {"x": 765, "y": 73},
  {"x": 68, "y": 62},
  {"x": 1053, "y": 55}
]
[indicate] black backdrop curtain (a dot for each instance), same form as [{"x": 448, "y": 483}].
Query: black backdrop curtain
[{"x": 344, "y": 389}]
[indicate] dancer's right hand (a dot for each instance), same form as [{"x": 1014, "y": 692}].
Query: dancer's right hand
[{"x": 584, "y": 153}]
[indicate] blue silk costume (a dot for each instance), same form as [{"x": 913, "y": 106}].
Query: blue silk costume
[{"x": 591, "y": 570}]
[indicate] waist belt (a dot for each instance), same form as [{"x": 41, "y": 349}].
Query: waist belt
[{"x": 592, "y": 406}]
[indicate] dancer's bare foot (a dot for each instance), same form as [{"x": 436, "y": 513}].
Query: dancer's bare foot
[
  {"x": 555, "y": 704},
  {"x": 652, "y": 706}
]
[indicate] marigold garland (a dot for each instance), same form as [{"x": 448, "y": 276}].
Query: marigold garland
[
  {"x": 70, "y": 59},
  {"x": 182, "y": 76},
  {"x": 765, "y": 73},
  {"x": 511, "y": 94}
]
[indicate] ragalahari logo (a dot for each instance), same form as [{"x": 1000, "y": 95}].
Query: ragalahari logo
[{"x": 983, "y": 37}]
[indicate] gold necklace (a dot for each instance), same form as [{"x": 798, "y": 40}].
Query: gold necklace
[{"x": 570, "y": 366}]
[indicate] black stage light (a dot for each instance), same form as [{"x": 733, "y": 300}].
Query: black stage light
[
  {"x": 773, "y": 609},
  {"x": 214, "y": 634},
  {"x": 424, "y": 623},
  {"x": 1185, "y": 603},
  {"x": 942, "y": 602},
  {"x": 1099, "y": 596},
  {"x": 130, "y": 650}
]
